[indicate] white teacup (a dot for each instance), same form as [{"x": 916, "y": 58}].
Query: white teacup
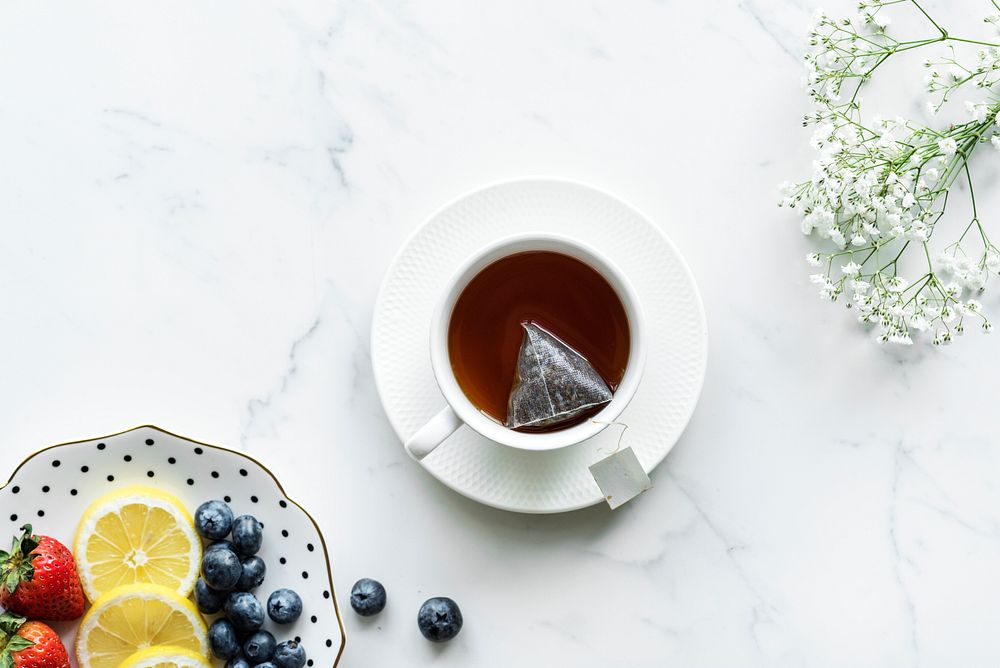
[{"x": 460, "y": 410}]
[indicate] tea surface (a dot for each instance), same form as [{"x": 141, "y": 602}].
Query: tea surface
[{"x": 562, "y": 294}]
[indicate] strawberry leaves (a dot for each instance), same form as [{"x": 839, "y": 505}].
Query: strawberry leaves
[
  {"x": 10, "y": 623},
  {"x": 16, "y": 566},
  {"x": 10, "y": 642}
]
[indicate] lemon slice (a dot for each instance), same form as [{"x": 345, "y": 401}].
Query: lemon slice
[
  {"x": 136, "y": 617},
  {"x": 138, "y": 534},
  {"x": 167, "y": 656}
]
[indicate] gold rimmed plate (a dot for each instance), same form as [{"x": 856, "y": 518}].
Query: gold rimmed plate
[{"x": 51, "y": 488}]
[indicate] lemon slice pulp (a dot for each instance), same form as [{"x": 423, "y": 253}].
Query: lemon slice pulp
[
  {"x": 137, "y": 617},
  {"x": 136, "y": 535},
  {"x": 167, "y": 656}
]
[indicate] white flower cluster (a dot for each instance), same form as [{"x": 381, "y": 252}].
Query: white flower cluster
[
  {"x": 840, "y": 53},
  {"x": 880, "y": 188}
]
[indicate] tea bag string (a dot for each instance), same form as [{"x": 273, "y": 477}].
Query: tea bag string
[{"x": 621, "y": 434}]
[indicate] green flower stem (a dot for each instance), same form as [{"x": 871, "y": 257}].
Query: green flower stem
[{"x": 944, "y": 33}]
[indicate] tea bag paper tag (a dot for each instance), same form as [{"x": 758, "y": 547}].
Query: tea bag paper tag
[{"x": 620, "y": 477}]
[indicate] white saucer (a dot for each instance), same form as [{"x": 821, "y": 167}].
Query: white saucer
[{"x": 558, "y": 480}]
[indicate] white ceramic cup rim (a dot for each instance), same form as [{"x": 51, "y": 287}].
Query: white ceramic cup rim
[{"x": 441, "y": 362}]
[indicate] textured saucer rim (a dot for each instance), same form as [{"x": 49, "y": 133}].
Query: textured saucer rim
[{"x": 679, "y": 260}]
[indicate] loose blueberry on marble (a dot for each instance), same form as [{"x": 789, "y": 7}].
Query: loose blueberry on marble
[
  {"x": 213, "y": 520},
  {"x": 252, "y": 577},
  {"x": 439, "y": 619},
  {"x": 289, "y": 654},
  {"x": 259, "y": 647},
  {"x": 221, "y": 569},
  {"x": 223, "y": 639},
  {"x": 248, "y": 534},
  {"x": 244, "y": 611},
  {"x": 284, "y": 606},
  {"x": 237, "y": 662},
  {"x": 368, "y": 597},
  {"x": 209, "y": 600}
]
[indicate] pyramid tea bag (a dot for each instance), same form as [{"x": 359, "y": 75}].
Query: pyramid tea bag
[{"x": 552, "y": 383}]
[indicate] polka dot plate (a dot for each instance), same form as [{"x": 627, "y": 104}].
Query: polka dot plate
[
  {"x": 51, "y": 488},
  {"x": 556, "y": 480}
]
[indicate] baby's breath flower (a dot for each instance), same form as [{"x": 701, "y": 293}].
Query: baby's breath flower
[
  {"x": 942, "y": 338},
  {"x": 850, "y": 269},
  {"x": 919, "y": 323},
  {"x": 879, "y": 188},
  {"x": 978, "y": 111},
  {"x": 896, "y": 284}
]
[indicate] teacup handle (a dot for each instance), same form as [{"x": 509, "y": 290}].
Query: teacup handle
[{"x": 433, "y": 434}]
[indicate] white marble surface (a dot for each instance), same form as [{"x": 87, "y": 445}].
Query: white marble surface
[{"x": 197, "y": 203}]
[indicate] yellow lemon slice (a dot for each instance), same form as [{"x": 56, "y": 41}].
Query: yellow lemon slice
[
  {"x": 136, "y": 617},
  {"x": 167, "y": 656},
  {"x": 137, "y": 534}
]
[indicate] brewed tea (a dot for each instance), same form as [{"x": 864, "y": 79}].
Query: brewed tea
[{"x": 557, "y": 292}]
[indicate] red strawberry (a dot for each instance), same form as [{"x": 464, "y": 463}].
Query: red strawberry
[
  {"x": 38, "y": 579},
  {"x": 25, "y": 644}
]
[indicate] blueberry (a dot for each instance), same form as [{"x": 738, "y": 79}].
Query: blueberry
[
  {"x": 244, "y": 611},
  {"x": 220, "y": 544},
  {"x": 213, "y": 520},
  {"x": 266, "y": 664},
  {"x": 284, "y": 606},
  {"x": 253, "y": 574},
  {"x": 367, "y": 597},
  {"x": 237, "y": 662},
  {"x": 289, "y": 654},
  {"x": 259, "y": 647},
  {"x": 209, "y": 600},
  {"x": 222, "y": 638},
  {"x": 248, "y": 534},
  {"x": 221, "y": 569},
  {"x": 439, "y": 619}
]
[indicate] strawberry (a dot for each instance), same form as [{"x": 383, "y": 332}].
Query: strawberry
[
  {"x": 25, "y": 644},
  {"x": 38, "y": 579}
]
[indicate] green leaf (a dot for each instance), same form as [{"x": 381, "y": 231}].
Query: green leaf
[
  {"x": 6, "y": 660},
  {"x": 27, "y": 569},
  {"x": 28, "y": 545},
  {"x": 17, "y": 643},
  {"x": 27, "y": 542},
  {"x": 13, "y": 579},
  {"x": 10, "y": 623}
]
